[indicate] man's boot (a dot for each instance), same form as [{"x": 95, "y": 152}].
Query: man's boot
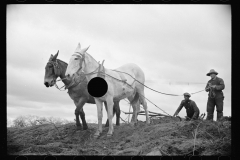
[
  {"x": 219, "y": 115},
  {"x": 209, "y": 116}
]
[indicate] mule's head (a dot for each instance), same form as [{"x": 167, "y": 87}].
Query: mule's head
[
  {"x": 77, "y": 62},
  {"x": 52, "y": 71}
]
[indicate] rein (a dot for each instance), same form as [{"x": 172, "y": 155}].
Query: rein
[
  {"x": 100, "y": 72},
  {"x": 82, "y": 59},
  {"x": 93, "y": 72},
  {"x": 74, "y": 83},
  {"x": 212, "y": 94}
]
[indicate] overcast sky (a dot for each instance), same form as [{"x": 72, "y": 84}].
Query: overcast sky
[{"x": 175, "y": 44}]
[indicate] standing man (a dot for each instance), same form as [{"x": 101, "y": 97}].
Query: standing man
[
  {"x": 215, "y": 96},
  {"x": 191, "y": 107}
]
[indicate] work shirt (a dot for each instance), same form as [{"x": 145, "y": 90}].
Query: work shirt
[
  {"x": 219, "y": 87},
  {"x": 191, "y": 108}
]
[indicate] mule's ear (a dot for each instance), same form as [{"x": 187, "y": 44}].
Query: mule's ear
[
  {"x": 78, "y": 49},
  {"x": 84, "y": 50},
  {"x": 103, "y": 62},
  {"x": 79, "y": 46},
  {"x": 55, "y": 56},
  {"x": 51, "y": 57}
]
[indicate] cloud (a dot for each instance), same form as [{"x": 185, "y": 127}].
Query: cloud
[{"x": 175, "y": 44}]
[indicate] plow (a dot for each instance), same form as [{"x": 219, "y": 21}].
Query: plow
[{"x": 160, "y": 115}]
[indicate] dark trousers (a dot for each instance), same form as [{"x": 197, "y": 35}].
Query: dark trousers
[
  {"x": 190, "y": 115},
  {"x": 212, "y": 102}
]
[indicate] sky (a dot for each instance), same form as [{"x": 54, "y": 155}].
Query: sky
[{"x": 175, "y": 46}]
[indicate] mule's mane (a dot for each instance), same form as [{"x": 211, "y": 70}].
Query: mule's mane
[
  {"x": 91, "y": 57},
  {"x": 62, "y": 61}
]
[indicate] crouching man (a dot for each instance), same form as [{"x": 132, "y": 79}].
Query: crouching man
[{"x": 190, "y": 106}]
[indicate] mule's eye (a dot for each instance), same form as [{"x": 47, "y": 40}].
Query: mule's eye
[{"x": 76, "y": 58}]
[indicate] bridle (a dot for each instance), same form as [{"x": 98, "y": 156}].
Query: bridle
[
  {"x": 55, "y": 66},
  {"x": 82, "y": 59},
  {"x": 57, "y": 72}
]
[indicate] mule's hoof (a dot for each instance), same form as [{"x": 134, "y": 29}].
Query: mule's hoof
[
  {"x": 109, "y": 135},
  {"x": 132, "y": 123},
  {"x": 96, "y": 135},
  {"x": 85, "y": 128},
  {"x": 79, "y": 127}
]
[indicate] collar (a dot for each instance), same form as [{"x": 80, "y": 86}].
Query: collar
[{"x": 214, "y": 78}]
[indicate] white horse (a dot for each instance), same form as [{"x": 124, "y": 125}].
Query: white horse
[{"x": 120, "y": 85}]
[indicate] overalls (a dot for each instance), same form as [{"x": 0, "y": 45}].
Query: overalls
[{"x": 215, "y": 98}]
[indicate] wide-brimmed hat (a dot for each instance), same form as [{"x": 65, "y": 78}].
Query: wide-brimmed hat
[
  {"x": 212, "y": 71},
  {"x": 187, "y": 94}
]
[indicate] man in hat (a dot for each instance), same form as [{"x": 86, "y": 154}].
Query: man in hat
[
  {"x": 215, "y": 96},
  {"x": 191, "y": 107}
]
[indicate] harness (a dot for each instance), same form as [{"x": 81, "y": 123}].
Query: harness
[
  {"x": 123, "y": 79},
  {"x": 99, "y": 72},
  {"x": 55, "y": 66},
  {"x": 57, "y": 72}
]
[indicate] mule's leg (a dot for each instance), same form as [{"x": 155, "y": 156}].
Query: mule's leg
[
  {"x": 116, "y": 109},
  {"x": 82, "y": 115},
  {"x": 99, "y": 113},
  {"x": 144, "y": 103},
  {"x": 107, "y": 123},
  {"x": 78, "y": 123},
  {"x": 110, "y": 115},
  {"x": 136, "y": 109},
  {"x": 79, "y": 109}
]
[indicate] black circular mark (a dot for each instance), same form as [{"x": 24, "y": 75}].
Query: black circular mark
[{"x": 97, "y": 87}]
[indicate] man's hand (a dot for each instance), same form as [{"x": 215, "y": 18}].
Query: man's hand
[
  {"x": 213, "y": 86},
  {"x": 187, "y": 118}
]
